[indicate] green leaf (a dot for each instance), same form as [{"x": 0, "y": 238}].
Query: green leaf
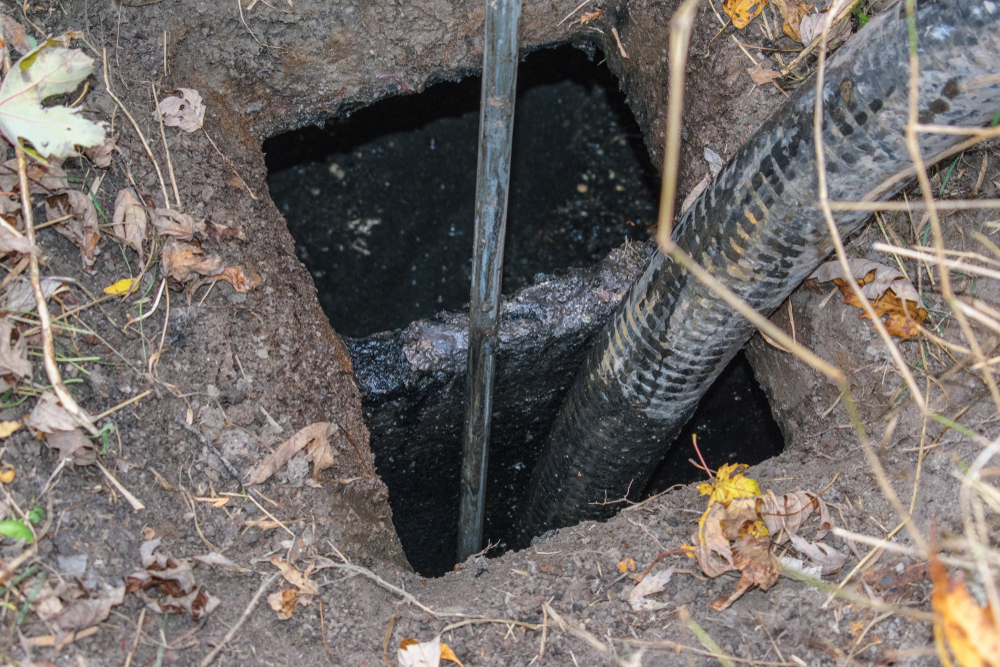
[
  {"x": 36, "y": 515},
  {"x": 47, "y": 70},
  {"x": 15, "y": 529}
]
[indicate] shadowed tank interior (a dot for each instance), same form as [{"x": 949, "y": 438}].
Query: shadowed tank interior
[{"x": 381, "y": 205}]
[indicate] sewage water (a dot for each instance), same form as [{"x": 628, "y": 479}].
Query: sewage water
[{"x": 381, "y": 206}]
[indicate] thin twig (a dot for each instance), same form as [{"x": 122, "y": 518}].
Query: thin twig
[
  {"x": 163, "y": 135},
  {"x": 246, "y": 614},
  {"x": 347, "y": 566},
  {"x": 159, "y": 174}
]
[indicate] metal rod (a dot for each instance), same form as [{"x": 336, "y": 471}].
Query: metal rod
[{"x": 496, "y": 124}]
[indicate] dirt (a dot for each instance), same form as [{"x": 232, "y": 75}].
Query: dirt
[{"x": 246, "y": 371}]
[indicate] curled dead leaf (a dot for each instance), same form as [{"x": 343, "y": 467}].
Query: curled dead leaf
[
  {"x": 313, "y": 438},
  {"x": 650, "y": 584},
  {"x": 892, "y": 295},
  {"x": 284, "y": 602},
  {"x": 11, "y": 242},
  {"x": 15, "y": 35},
  {"x": 761, "y": 75},
  {"x": 43, "y": 179},
  {"x": 235, "y": 276},
  {"x": 49, "y": 416},
  {"x": 13, "y": 352},
  {"x": 129, "y": 221},
  {"x": 21, "y": 299},
  {"x": 101, "y": 155},
  {"x": 181, "y": 226},
  {"x": 80, "y": 226},
  {"x": 184, "y": 262},
  {"x": 175, "y": 581},
  {"x": 186, "y": 112},
  {"x": 757, "y": 567},
  {"x": 73, "y": 445}
]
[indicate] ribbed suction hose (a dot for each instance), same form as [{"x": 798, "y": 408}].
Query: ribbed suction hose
[{"x": 758, "y": 230}]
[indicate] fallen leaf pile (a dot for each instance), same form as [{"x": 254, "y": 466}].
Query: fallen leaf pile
[
  {"x": 742, "y": 525},
  {"x": 174, "y": 577},
  {"x": 798, "y": 23},
  {"x": 892, "y": 295},
  {"x": 52, "y": 133}
]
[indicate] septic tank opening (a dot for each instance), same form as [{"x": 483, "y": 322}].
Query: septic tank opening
[
  {"x": 381, "y": 206},
  {"x": 381, "y": 203}
]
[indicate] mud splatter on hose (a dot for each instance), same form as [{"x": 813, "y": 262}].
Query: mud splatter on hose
[{"x": 758, "y": 230}]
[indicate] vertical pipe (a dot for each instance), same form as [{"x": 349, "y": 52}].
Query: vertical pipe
[{"x": 496, "y": 123}]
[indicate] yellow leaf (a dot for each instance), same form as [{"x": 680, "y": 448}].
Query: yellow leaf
[
  {"x": 729, "y": 483},
  {"x": 6, "y": 428},
  {"x": 743, "y": 11},
  {"x": 448, "y": 654},
  {"x": 123, "y": 286},
  {"x": 968, "y": 628},
  {"x": 7, "y": 473},
  {"x": 626, "y": 565}
]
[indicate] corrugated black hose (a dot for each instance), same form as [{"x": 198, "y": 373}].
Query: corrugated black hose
[{"x": 758, "y": 230}]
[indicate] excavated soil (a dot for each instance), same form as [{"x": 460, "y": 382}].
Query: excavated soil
[{"x": 244, "y": 371}]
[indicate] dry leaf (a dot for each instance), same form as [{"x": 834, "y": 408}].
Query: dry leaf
[
  {"x": 181, "y": 226},
  {"x": 743, "y": 11},
  {"x": 313, "y": 438},
  {"x": 792, "y": 12},
  {"x": 969, "y": 629},
  {"x": 82, "y": 226},
  {"x": 826, "y": 557},
  {"x": 13, "y": 355},
  {"x": 294, "y": 577},
  {"x": 184, "y": 262},
  {"x": 284, "y": 602},
  {"x": 186, "y": 112},
  {"x": 757, "y": 567},
  {"x": 891, "y": 294},
  {"x": 235, "y": 276},
  {"x": 73, "y": 445},
  {"x": 220, "y": 232},
  {"x": 43, "y": 179},
  {"x": 650, "y": 584},
  {"x": 811, "y": 25},
  {"x": 8, "y": 428},
  {"x": 83, "y": 613},
  {"x": 760, "y": 75},
  {"x": 213, "y": 558},
  {"x": 129, "y": 221},
  {"x": 10, "y": 242},
  {"x": 15, "y": 35},
  {"x": 101, "y": 155},
  {"x": 175, "y": 581},
  {"x": 21, "y": 299},
  {"x": 49, "y": 416}
]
